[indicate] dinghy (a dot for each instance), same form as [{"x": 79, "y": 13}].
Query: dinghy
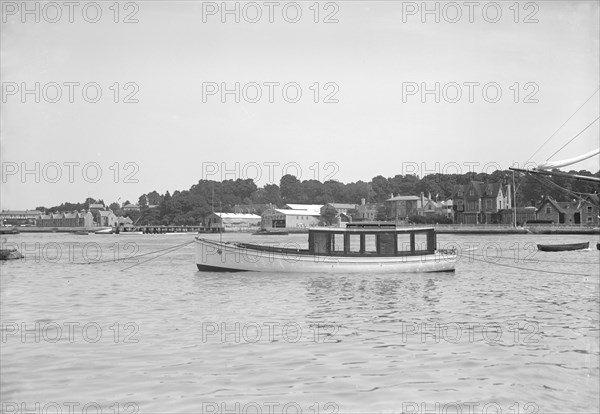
[{"x": 563, "y": 247}]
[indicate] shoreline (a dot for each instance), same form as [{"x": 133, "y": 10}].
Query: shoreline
[{"x": 440, "y": 229}]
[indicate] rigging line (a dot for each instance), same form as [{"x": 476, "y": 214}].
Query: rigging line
[
  {"x": 536, "y": 151},
  {"x": 571, "y": 140},
  {"x": 579, "y": 196},
  {"x": 155, "y": 257},
  {"x": 549, "y": 183},
  {"x": 136, "y": 256},
  {"x": 534, "y": 270}
]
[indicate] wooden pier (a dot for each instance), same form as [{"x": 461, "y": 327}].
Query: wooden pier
[{"x": 163, "y": 229}]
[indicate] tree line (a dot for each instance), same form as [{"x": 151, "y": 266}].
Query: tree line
[{"x": 190, "y": 207}]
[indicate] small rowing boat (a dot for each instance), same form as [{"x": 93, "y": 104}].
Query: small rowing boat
[
  {"x": 353, "y": 249},
  {"x": 563, "y": 247},
  {"x": 10, "y": 254}
]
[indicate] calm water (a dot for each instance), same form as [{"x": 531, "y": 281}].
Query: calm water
[{"x": 161, "y": 337}]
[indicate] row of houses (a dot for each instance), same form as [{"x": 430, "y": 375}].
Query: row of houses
[
  {"x": 94, "y": 217},
  {"x": 401, "y": 208},
  {"x": 473, "y": 203}
]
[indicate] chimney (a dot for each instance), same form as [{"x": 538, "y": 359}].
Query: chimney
[
  {"x": 422, "y": 199},
  {"x": 362, "y": 201}
]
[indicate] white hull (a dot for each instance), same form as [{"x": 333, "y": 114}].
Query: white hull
[{"x": 216, "y": 256}]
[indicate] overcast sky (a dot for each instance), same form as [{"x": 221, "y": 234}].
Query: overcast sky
[{"x": 368, "y": 68}]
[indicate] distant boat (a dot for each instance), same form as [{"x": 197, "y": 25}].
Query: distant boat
[
  {"x": 265, "y": 232},
  {"x": 367, "y": 250},
  {"x": 563, "y": 247},
  {"x": 104, "y": 231},
  {"x": 10, "y": 254},
  {"x": 81, "y": 233},
  {"x": 9, "y": 230}
]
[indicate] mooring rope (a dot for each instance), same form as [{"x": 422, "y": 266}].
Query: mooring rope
[
  {"x": 167, "y": 252},
  {"x": 172, "y": 248}
]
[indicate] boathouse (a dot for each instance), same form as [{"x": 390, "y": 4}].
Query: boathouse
[
  {"x": 289, "y": 219},
  {"x": 219, "y": 222}
]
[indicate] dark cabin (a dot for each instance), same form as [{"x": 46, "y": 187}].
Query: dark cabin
[{"x": 365, "y": 239}]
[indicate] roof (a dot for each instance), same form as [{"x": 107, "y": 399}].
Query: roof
[
  {"x": 315, "y": 207},
  {"x": 404, "y": 198},
  {"x": 369, "y": 230},
  {"x": 237, "y": 216},
  {"x": 21, "y": 212},
  {"x": 433, "y": 203},
  {"x": 105, "y": 213},
  {"x": 491, "y": 189},
  {"x": 97, "y": 205},
  {"x": 478, "y": 186},
  {"x": 342, "y": 205},
  {"x": 567, "y": 205},
  {"x": 552, "y": 202},
  {"x": 288, "y": 212}
]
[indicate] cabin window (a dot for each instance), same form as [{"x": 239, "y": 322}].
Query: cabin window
[
  {"x": 548, "y": 210},
  {"x": 370, "y": 243},
  {"x": 403, "y": 240},
  {"x": 589, "y": 209},
  {"x": 488, "y": 204},
  {"x": 337, "y": 242},
  {"x": 420, "y": 241},
  {"x": 354, "y": 243}
]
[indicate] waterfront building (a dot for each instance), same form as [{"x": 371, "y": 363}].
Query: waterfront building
[
  {"x": 569, "y": 212},
  {"x": 479, "y": 202},
  {"x": 218, "y": 222},
  {"x": 366, "y": 211},
  {"x": 106, "y": 218},
  {"x": 289, "y": 218},
  {"x": 74, "y": 219},
  {"x": 19, "y": 217},
  {"x": 400, "y": 208}
]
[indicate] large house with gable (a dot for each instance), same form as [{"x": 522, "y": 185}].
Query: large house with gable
[{"x": 479, "y": 202}]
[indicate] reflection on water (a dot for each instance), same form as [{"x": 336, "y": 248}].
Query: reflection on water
[{"x": 167, "y": 338}]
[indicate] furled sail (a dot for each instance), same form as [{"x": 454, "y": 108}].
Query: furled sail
[{"x": 557, "y": 164}]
